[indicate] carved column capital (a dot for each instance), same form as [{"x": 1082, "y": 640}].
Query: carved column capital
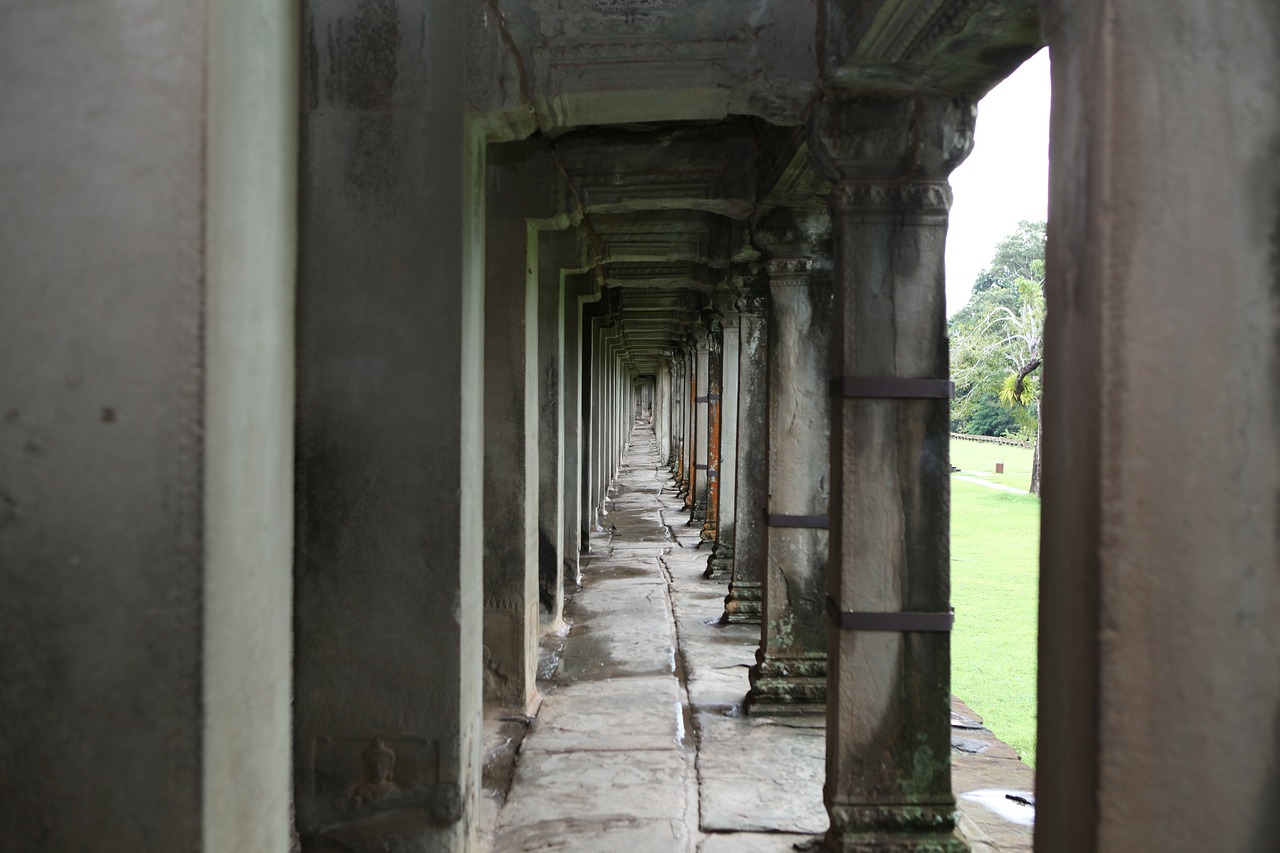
[
  {"x": 785, "y": 271},
  {"x": 885, "y": 139}
]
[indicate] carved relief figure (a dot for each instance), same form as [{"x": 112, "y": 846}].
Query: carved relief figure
[{"x": 379, "y": 764}]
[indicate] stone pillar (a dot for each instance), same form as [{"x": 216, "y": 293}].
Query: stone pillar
[
  {"x": 554, "y": 250},
  {"x": 580, "y": 292},
  {"x": 510, "y": 448},
  {"x": 1160, "y": 547},
  {"x": 888, "y": 729},
  {"x": 594, "y": 425},
  {"x": 696, "y": 499},
  {"x": 790, "y": 671},
  {"x": 148, "y": 178},
  {"x": 714, "y": 385},
  {"x": 720, "y": 563},
  {"x": 746, "y": 586},
  {"x": 661, "y": 410},
  {"x": 685, "y": 386},
  {"x": 390, "y": 464}
]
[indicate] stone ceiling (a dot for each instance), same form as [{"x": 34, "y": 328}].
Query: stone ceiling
[{"x": 675, "y": 125}]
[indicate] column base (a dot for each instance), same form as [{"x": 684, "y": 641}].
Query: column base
[
  {"x": 743, "y": 605},
  {"x": 699, "y": 515},
  {"x": 719, "y": 565},
  {"x": 788, "y": 686},
  {"x": 897, "y": 828}
]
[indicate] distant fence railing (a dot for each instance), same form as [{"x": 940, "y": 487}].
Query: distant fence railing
[{"x": 994, "y": 439}]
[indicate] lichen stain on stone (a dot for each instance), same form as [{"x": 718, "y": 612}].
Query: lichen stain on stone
[{"x": 362, "y": 57}]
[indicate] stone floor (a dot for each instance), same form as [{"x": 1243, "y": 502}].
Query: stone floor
[{"x": 641, "y": 743}]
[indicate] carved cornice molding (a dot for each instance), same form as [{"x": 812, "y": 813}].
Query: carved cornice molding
[
  {"x": 789, "y": 272},
  {"x": 923, "y": 198}
]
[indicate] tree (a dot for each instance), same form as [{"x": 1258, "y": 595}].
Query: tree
[{"x": 998, "y": 340}]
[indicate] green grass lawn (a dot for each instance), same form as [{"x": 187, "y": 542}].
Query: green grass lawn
[
  {"x": 979, "y": 459},
  {"x": 995, "y": 541}
]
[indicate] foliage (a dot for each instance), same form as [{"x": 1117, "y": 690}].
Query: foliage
[{"x": 997, "y": 340}]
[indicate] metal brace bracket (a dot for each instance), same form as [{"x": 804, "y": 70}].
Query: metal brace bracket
[
  {"x": 900, "y": 621},
  {"x": 851, "y": 387}
]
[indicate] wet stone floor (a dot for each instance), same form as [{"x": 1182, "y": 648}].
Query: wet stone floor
[{"x": 641, "y": 743}]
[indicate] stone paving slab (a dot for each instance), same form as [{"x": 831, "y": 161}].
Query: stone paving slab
[
  {"x": 618, "y": 714},
  {"x": 620, "y": 628},
  {"x": 637, "y": 784},
  {"x": 757, "y": 776},
  {"x": 594, "y": 836}
]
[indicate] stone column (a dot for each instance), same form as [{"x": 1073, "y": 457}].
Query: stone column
[
  {"x": 888, "y": 730},
  {"x": 589, "y": 435},
  {"x": 746, "y": 586},
  {"x": 389, "y": 469},
  {"x": 148, "y": 178},
  {"x": 720, "y": 563},
  {"x": 555, "y": 248},
  {"x": 580, "y": 292},
  {"x": 696, "y": 500},
  {"x": 790, "y": 671},
  {"x": 686, "y": 387},
  {"x": 679, "y": 390},
  {"x": 1159, "y": 713},
  {"x": 714, "y": 383},
  {"x": 510, "y": 448},
  {"x": 661, "y": 411}
]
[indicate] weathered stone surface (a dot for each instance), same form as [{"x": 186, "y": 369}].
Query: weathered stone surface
[
  {"x": 586, "y": 715},
  {"x": 586, "y": 835},
  {"x": 1179, "y": 750},
  {"x": 760, "y": 777},
  {"x": 889, "y": 779},
  {"x": 594, "y": 784},
  {"x": 790, "y": 671}
]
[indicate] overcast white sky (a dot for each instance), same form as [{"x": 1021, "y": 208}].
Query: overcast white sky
[{"x": 1005, "y": 179}]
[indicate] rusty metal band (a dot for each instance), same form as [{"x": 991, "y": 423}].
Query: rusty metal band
[
  {"x": 814, "y": 522},
  {"x": 900, "y": 621},
  {"x": 700, "y": 400},
  {"x": 851, "y": 387}
]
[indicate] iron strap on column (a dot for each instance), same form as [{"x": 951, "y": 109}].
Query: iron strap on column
[
  {"x": 699, "y": 466},
  {"x": 700, "y": 400},
  {"x": 900, "y": 621},
  {"x": 851, "y": 387},
  {"x": 815, "y": 522}
]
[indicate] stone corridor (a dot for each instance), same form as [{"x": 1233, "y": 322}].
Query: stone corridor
[
  {"x": 641, "y": 741},
  {"x": 326, "y": 324}
]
